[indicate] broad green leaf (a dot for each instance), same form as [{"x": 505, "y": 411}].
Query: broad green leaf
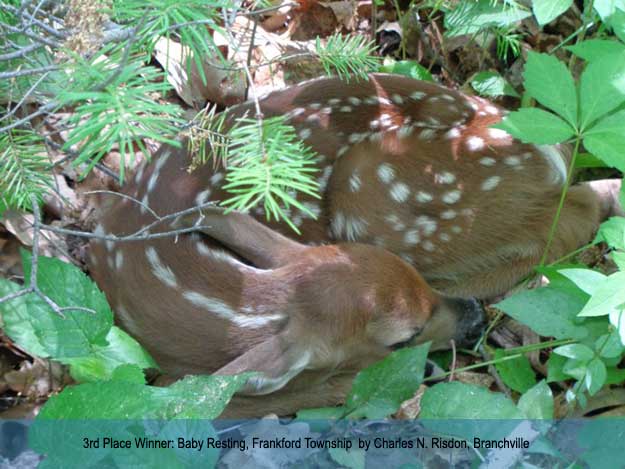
[
  {"x": 379, "y": 390},
  {"x": 353, "y": 459},
  {"x": 533, "y": 125},
  {"x": 473, "y": 17},
  {"x": 100, "y": 364},
  {"x": 552, "y": 85},
  {"x": 517, "y": 374},
  {"x": 537, "y": 402},
  {"x": 546, "y": 11},
  {"x": 612, "y": 232},
  {"x": 555, "y": 366},
  {"x": 321, "y": 413},
  {"x": 606, "y": 8},
  {"x": 129, "y": 373},
  {"x": 550, "y": 311},
  {"x": 492, "y": 84},
  {"x": 608, "y": 297},
  {"x": 192, "y": 397},
  {"x": 596, "y": 375},
  {"x": 579, "y": 352},
  {"x": 609, "y": 345},
  {"x": 615, "y": 376},
  {"x": 602, "y": 88},
  {"x": 588, "y": 160},
  {"x": 617, "y": 319},
  {"x": 30, "y": 322},
  {"x": 575, "y": 368},
  {"x": 619, "y": 259},
  {"x": 586, "y": 279},
  {"x": 457, "y": 400},
  {"x": 595, "y": 49},
  {"x": 407, "y": 68},
  {"x": 605, "y": 139}
]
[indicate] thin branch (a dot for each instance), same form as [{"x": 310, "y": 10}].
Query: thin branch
[
  {"x": 20, "y": 52},
  {"x": 28, "y": 71},
  {"x": 14, "y": 109}
]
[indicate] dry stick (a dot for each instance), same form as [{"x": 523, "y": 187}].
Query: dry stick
[{"x": 452, "y": 342}]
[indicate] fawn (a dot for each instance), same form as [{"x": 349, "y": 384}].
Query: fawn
[{"x": 407, "y": 169}]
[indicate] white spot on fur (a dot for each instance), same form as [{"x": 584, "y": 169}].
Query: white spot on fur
[
  {"x": 491, "y": 110},
  {"x": 490, "y": 183},
  {"x": 445, "y": 237},
  {"x": 475, "y": 143},
  {"x": 119, "y": 259},
  {"x": 305, "y": 133},
  {"x": 449, "y": 98},
  {"x": 348, "y": 227},
  {"x": 423, "y": 197},
  {"x": 325, "y": 176},
  {"x": 448, "y": 214},
  {"x": 313, "y": 118},
  {"x": 346, "y": 109},
  {"x": 315, "y": 106},
  {"x": 487, "y": 161},
  {"x": 395, "y": 222},
  {"x": 444, "y": 177},
  {"x": 456, "y": 229},
  {"x": 512, "y": 160},
  {"x": 224, "y": 311},
  {"x": 353, "y": 100},
  {"x": 429, "y": 246},
  {"x": 384, "y": 101},
  {"x": 399, "y": 192},
  {"x": 296, "y": 112},
  {"x": 334, "y": 101},
  {"x": 160, "y": 271},
  {"x": 452, "y": 197},
  {"x": 453, "y": 133},
  {"x": 397, "y": 99},
  {"x": 426, "y": 224},
  {"x": 412, "y": 237},
  {"x": 427, "y": 134},
  {"x": 407, "y": 257},
  {"x": 202, "y": 197},
  {"x": 216, "y": 178},
  {"x": 498, "y": 134},
  {"x": 344, "y": 149},
  {"x": 386, "y": 173},
  {"x": 354, "y": 182},
  {"x": 417, "y": 95},
  {"x": 405, "y": 131}
]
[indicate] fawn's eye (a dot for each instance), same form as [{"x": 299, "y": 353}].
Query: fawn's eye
[{"x": 408, "y": 341}]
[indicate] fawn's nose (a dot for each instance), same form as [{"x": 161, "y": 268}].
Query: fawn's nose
[{"x": 471, "y": 321}]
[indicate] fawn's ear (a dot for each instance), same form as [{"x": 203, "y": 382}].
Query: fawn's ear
[{"x": 276, "y": 362}]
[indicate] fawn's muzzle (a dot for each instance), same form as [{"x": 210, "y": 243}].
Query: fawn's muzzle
[{"x": 471, "y": 321}]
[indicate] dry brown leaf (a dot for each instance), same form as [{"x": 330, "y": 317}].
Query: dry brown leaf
[
  {"x": 411, "y": 408},
  {"x": 36, "y": 379}
]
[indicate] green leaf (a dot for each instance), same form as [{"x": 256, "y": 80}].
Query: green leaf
[
  {"x": 587, "y": 280},
  {"x": 537, "y": 402},
  {"x": 202, "y": 397},
  {"x": 595, "y": 49},
  {"x": 617, "y": 319},
  {"x": 550, "y": 311},
  {"x": 517, "y": 373},
  {"x": 492, "y": 84},
  {"x": 30, "y": 322},
  {"x": 619, "y": 259},
  {"x": 407, "y": 68},
  {"x": 579, "y": 352},
  {"x": 555, "y": 367},
  {"x": 103, "y": 361},
  {"x": 608, "y": 297},
  {"x": 129, "y": 373},
  {"x": 558, "y": 92},
  {"x": 353, "y": 459},
  {"x": 321, "y": 413},
  {"x": 466, "y": 401},
  {"x": 575, "y": 368},
  {"x": 546, "y": 11},
  {"x": 602, "y": 88},
  {"x": 605, "y": 139},
  {"x": 588, "y": 160},
  {"x": 533, "y": 125},
  {"x": 609, "y": 345},
  {"x": 379, "y": 390},
  {"x": 595, "y": 376},
  {"x": 612, "y": 232},
  {"x": 615, "y": 376},
  {"x": 473, "y": 17}
]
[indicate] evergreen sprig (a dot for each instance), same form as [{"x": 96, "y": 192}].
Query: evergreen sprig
[
  {"x": 268, "y": 164},
  {"x": 345, "y": 56},
  {"x": 123, "y": 113},
  {"x": 24, "y": 168}
]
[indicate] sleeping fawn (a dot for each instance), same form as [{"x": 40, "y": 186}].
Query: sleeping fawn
[{"x": 414, "y": 179}]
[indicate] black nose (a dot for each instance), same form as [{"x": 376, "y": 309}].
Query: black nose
[{"x": 471, "y": 321}]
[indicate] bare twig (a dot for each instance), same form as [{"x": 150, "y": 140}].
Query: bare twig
[{"x": 454, "y": 357}]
